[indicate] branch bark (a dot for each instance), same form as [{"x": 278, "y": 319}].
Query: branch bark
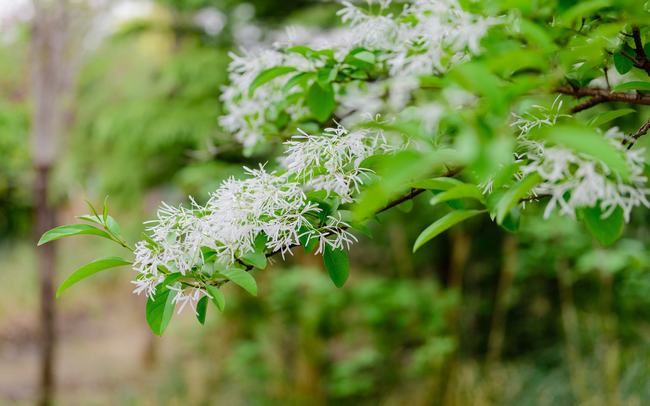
[{"x": 598, "y": 96}]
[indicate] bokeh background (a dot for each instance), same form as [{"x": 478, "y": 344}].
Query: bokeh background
[{"x": 480, "y": 317}]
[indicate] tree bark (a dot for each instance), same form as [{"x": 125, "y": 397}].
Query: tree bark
[{"x": 46, "y": 219}]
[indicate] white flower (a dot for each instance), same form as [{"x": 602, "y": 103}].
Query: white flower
[{"x": 332, "y": 160}]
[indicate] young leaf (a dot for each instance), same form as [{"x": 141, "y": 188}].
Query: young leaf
[
  {"x": 70, "y": 230},
  {"x": 608, "y": 116},
  {"x": 441, "y": 183},
  {"x": 337, "y": 265},
  {"x": 89, "y": 270},
  {"x": 268, "y": 75},
  {"x": 442, "y": 224},
  {"x": 463, "y": 191},
  {"x": 242, "y": 278},
  {"x": 160, "y": 308},
  {"x": 511, "y": 198},
  {"x": 605, "y": 230},
  {"x": 635, "y": 85},
  {"x": 217, "y": 297},
  {"x": 110, "y": 222},
  {"x": 201, "y": 309},
  {"x": 298, "y": 79},
  {"x": 320, "y": 101},
  {"x": 587, "y": 141}
]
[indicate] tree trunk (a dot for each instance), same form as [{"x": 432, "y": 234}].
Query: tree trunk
[
  {"x": 46, "y": 219},
  {"x": 48, "y": 83}
]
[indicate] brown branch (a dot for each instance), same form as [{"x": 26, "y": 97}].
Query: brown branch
[
  {"x": 641, "y": 61},
  {"x": 640, "y": 133},
  {"x": 598, "y": 96}
]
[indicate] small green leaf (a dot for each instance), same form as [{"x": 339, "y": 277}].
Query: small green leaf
[
  {"x": 201, "y": 309},
  {"x": 217, "y": 297},
  {"x": 257, "y": 257},
  {"x": 622, "y": 63},
  {"x": 463, "y": 191},
  {"x": 70, "y": 230},
  {"x": 320, "y": 101},
  {"x": 442, "y": 224},
  {"x": 366, "y": 56},
  {"x": 606, "y": 230},
  {"x": 337, "y": 265},
  {"x": 608, "y": 116},
  {"x": 298, "y": 79},
  {"x": 160, "y": 308},
  {"x": 441, "y": 183},
  {"x": 89, "y": 270},
  {"x": 268, "y": 75},
  {"x": 511, "y": 198},
  {"x": 110, "y": 222},
  {"x": 105, "y": 210},
  {"x": 241, "y": 278},
  {"x": 635, "y": 85}
]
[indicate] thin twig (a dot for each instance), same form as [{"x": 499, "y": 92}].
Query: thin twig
[
  {"x": 599, "y": 95},
  {"x": 640, "y": 133}
]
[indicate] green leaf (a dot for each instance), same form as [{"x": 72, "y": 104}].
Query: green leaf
[
  {"x": 608, "y": 116},
  {"x": 587, "y": 141},
  {"x": 635, "y": 85},
  {"x": 89, "y": 270},
  {"x": 320, "y": 101},
  {"x": 268, "y": 75},
  {"x": 622, "y": 63},
  {"x": 511, "y": 198},
  {"x": 307, "y": 240},
  {"x": 442, "y": 183},
  {"x": 110, "y": 222},
  {"x": 160, "y": 308},
  {"x": 201, "y": 309},
  {"x": 257, "y": 257},
  {"x": 337, "y": 265},
  {"x": 241, "y": 278},
  {"x": 297, "y": 80},
  {"x": 605, "y": 230},
  {"x": 217, "y": 297},
  {"x": 70, "y": 230},
  {"x": 582, "y": 9},
  {"x": 463, "y": 191},
  {"x": 442, "y": 224},
  {"x": 365, "y": 56}
]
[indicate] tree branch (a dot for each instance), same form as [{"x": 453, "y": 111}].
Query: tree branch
[
  {"x": 598, "y": 96},
  {"x": 640, "y": 133},
  {"x": 641, "y": 61}
]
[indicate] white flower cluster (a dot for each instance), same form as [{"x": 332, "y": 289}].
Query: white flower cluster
[
  {"x": 427, "y": 37},
  {"x": 331, "y": 161},
  {"x": 265, "y": 203},
  {"x": 575, "y": 181}
]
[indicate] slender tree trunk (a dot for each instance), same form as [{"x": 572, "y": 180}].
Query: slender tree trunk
[
  {"x": 48, "y": 73},
  {"x": 46, "y": 219},
  {"x": 497, "y": 328}
]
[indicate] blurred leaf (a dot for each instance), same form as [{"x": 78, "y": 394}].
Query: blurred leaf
[
  {"x": 582, "y": 9},
  {"x": 71, "y": 230},
  {"x": 464, "y": 191},
  {"x": 337, "y": 265},
  {"x": 587, "y": 141},
  {"x": 442, "y": 224},
  {"x": 268, "y": 75},
  {"x": 89, "y": 270},
  {"x": 606, "y": 230},
  {"x": 518, "y": 191},
  {"x": 320, "y": 101},
  {"x": 441, "y": 183},
  {"x": 636, "y": 85},
  {"x": 608, "y": 116}
]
